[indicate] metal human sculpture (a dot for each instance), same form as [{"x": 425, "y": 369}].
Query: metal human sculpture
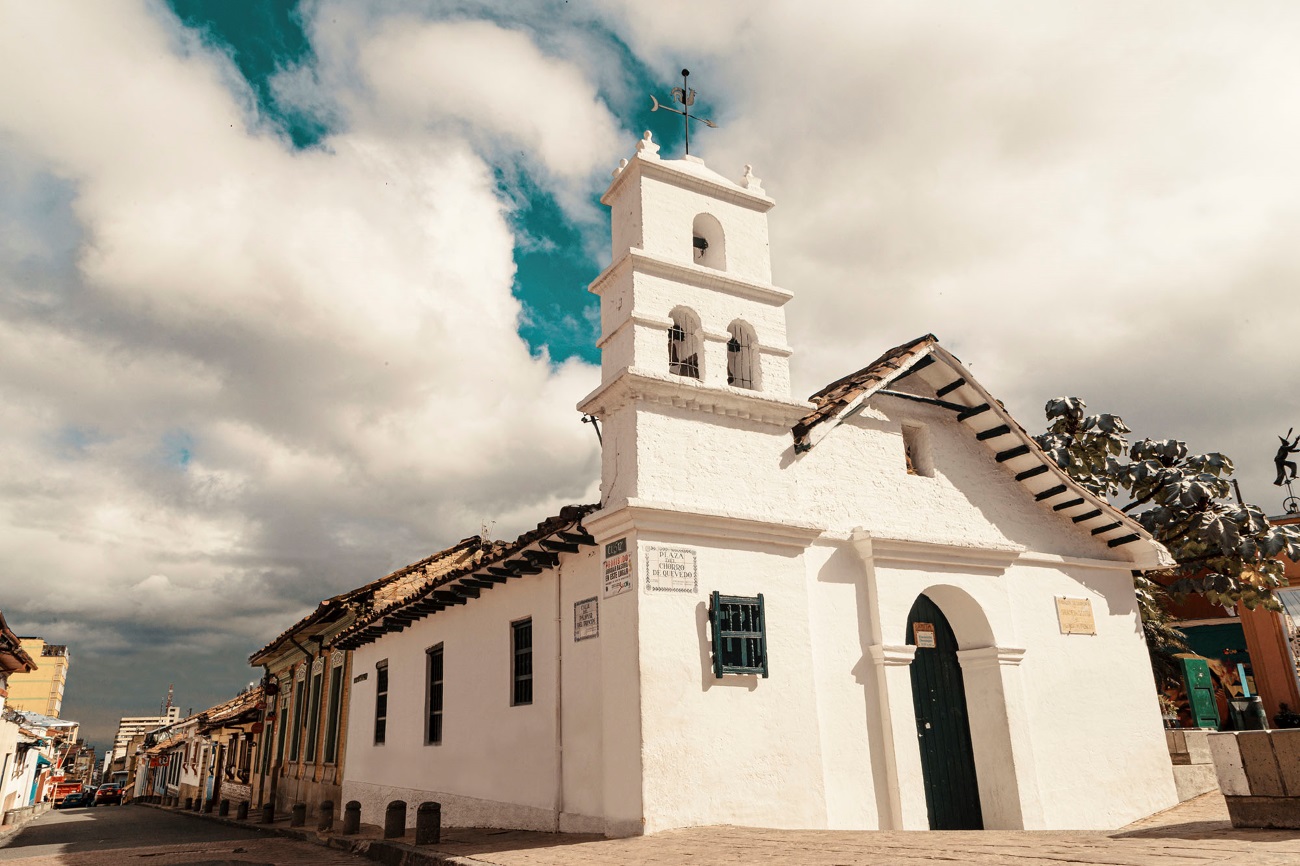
[
  {"x": 1291, "y": 504},
  {"x": 1287, "y": 448},
  {"x": 686, "y": 96}
]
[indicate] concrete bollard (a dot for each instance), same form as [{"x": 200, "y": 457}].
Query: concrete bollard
[
  {"x": 325, "y": 818},
  {"x": 268, "y": 813},
  {"x": 395, "y": 820},
  {"x": 241, "y": 813},
  {"x": 298, "y": 817},
  {"x": 428, "y": 824},
  {"x": 352, "y": 818},
  {"x": 189, "y": 804},
  {"x": 209, "y": 806},
  {"x": 224, "y": 809}
]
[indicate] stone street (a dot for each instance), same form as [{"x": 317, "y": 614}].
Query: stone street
[
  {"x": 112, "y": 835},
  {"x": 1197, "y": 832}
]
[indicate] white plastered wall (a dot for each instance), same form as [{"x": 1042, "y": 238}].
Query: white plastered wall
[{"x": 497, "y": 765}]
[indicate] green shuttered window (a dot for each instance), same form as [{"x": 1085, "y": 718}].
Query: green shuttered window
[{"x": 739, "y": 635}]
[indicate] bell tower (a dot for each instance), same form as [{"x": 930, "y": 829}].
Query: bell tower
[{"x": 691, "y": 325}]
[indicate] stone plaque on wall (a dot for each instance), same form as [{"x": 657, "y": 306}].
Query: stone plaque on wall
[
  {"x": 618, "y": 568},
  {"x": 1075, "y": 615},
  {"x": 670, "y": 569},
  {"x": 586, "y": 619}
]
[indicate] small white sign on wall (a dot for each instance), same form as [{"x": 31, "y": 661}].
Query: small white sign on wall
[
  {"x": 586, "y": 619},
  {"x": 670, "y": 569},
  {"x": 618, "y": 568},
  {"x": 1075, "y": 615}
]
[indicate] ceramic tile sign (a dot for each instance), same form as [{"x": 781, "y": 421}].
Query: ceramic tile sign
[
  {"x": 1075, "y": 615},
  {"x": 670, "y": 569},
  {"x": 618, "y": 568},
  {"x": 586, "y": 619},
  {"x": 923, "y": 635}
]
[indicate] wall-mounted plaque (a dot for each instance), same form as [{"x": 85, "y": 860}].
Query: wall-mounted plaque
[
  {"x": 618, "y": 568},
  {"x": 1075, "y": 615},
  {"x": 923, "y": 635},
  {"x": 670, "y": 569},
  {"x": 586, "y": 618}
]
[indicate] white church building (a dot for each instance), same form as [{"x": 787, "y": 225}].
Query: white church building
[{"x": 882, "y": 608}]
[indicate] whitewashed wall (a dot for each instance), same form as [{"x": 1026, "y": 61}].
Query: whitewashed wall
[{"x": 497, "y": 765}]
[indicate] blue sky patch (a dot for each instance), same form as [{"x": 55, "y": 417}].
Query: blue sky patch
[{"x": 555, "y": 258}]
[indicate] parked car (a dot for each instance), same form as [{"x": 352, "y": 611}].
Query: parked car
[
  {"x": 84, "y": 797},
  {"x": 110, "y": 793}
]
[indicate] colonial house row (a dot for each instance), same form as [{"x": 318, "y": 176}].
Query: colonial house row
[
  {"x": 201, "y": 759},
  {"x": 38, "y": 753},
  {"x": 884, "y": 607},
  {"x": 300, "y": 758}
]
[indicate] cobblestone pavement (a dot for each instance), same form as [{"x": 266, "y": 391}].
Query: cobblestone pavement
[
  {"x": 1196, "y": 833},
  {"x": 113, "y": 836}
]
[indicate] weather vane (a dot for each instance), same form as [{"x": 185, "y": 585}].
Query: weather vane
[
  {"x": 686, "y": 96},
  {"x": 1289, "y": 446}
]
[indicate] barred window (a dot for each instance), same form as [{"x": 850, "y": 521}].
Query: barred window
[
  {"x": 521, "y": 639},
  {"x": 683, "y": 348},
  {"x": 742, "y": 357},
  {"x": 299, "y": 699},
  {"x": 332, "y": 720},
  {"x": 739, "y": 635},
  {"x": 381, "y": 702},
  {"x": 313, "y": 718},
  {"x": 433, "y": 727}
]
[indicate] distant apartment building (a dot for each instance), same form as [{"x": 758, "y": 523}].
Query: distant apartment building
[
  {"x": 40, "y": 690},
  {"x": 133, "y": 726}
]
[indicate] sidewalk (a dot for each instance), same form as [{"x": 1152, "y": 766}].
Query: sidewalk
[{"x": 1196, "y": 832}]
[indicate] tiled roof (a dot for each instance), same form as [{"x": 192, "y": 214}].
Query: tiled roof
[
  {"x": 380, "y": 594},
  {"x": 946, "y": 383},
  {"x": 485, "y": 566},
  {"x": 232, "y": 710},
  {"x": 832, "y": 400},
  {"x": 13, "y": 658}
]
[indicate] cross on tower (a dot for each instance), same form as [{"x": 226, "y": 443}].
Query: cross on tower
[{"x": 686, "y": 96}]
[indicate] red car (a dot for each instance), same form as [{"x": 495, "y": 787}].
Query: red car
[{"x": 110, "y": 793}]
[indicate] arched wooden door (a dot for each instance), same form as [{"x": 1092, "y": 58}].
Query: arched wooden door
[{"x": 951, "y": 792}]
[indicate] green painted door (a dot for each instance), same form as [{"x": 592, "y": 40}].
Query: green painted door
[
  {"x": 1200, "y": 693},
  {"x": 939, "y": 695}
]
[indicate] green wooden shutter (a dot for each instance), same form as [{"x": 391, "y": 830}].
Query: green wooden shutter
[{"x": 1200, "y": 693}]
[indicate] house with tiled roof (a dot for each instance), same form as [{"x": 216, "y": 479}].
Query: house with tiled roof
[
  {"x": 880, "y": 608},
  {"x": 302, "y": 729}
]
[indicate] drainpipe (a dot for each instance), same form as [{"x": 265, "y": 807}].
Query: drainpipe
[{"x": 559, "y": 703}]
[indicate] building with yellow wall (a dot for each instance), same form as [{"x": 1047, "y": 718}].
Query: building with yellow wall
[{"x": 40, "y": 690}]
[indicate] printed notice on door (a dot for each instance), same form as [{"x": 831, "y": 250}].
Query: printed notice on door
[
  {"x": 1075, "y": 615},
  {"x": 923, "y": 634},
  {"x": 670, "y": 569},
  {"x": 586, "y": 619},
  {"x": 618, "y": 568}
]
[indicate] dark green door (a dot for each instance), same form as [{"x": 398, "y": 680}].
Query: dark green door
[
  {"x": 939, "y": 696},
  {"x": 1200, "y": 693}
]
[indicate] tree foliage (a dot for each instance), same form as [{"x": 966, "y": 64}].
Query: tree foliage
[{"x": 1225, "y": 550}]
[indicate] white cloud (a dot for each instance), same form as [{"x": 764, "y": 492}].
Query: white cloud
[
  {"x": 270, "y": 374},
  {"x": 1084, "y": 198}
]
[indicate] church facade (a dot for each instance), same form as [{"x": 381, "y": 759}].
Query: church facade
[{"x": 883, "y": 607}]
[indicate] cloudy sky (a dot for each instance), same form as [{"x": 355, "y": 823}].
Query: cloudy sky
[{"x": 292, "y": 295}]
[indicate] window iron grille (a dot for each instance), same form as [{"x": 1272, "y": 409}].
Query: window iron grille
[
  {"x": 739, "y": 635},
  {"x": 381, "y": 702},
  {"x": 433, "y": 731},
  {"x": 522, "y": 673},
  {"x": 679, "y": 363},
  {"x": 335, "y": 709}
]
